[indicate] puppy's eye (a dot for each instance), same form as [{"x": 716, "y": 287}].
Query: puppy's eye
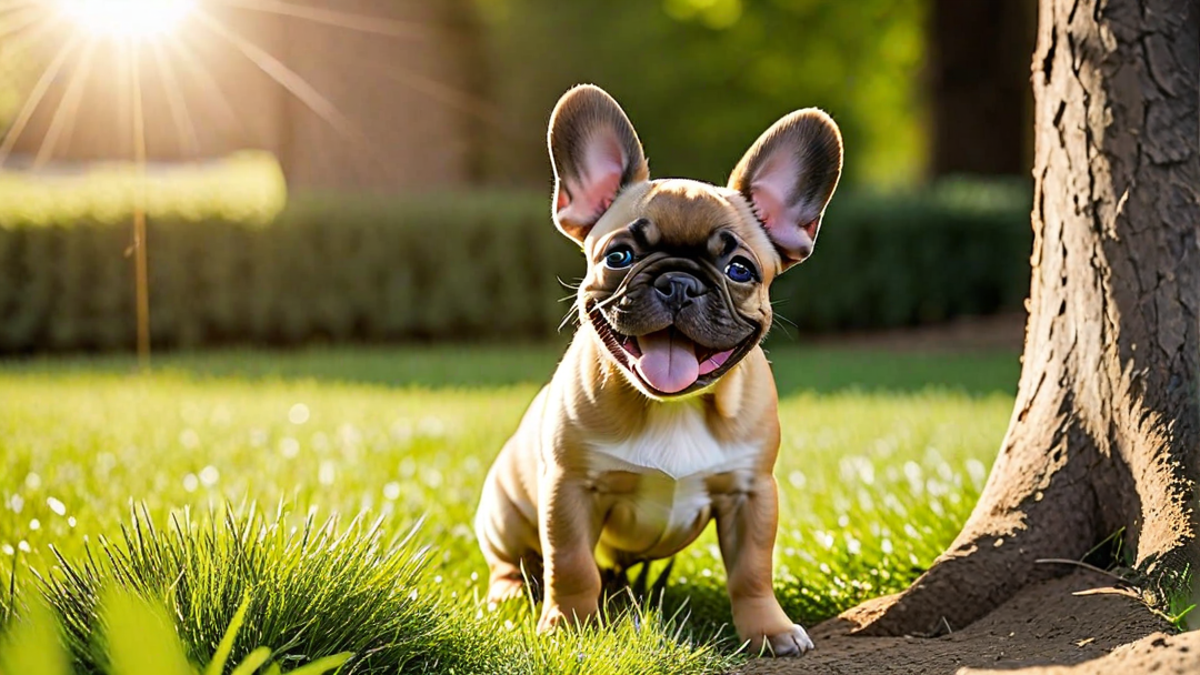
[
  {"x": 741, "y": 271},
  {"x": 619, "y": 258}
]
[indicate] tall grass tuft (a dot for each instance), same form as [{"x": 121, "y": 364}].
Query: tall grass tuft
[
  {"x": 310, "y": 591},
  {"x": 140, "y": 640}
]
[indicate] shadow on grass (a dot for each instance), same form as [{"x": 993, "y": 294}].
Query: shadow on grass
[{"x": 798, "y": 369}]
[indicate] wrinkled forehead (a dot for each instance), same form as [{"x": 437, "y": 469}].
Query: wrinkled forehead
[{"x": 685, "y": 212}]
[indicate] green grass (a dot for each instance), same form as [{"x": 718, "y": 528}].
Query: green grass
[{"x": 347, "y": 451}]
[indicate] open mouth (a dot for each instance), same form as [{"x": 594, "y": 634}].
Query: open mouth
[{"x": 667, "y": 362}]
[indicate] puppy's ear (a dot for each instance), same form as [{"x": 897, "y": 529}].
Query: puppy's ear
[
  {"x": 788, "y": 176},
  {"x": 595, "y": 152}
]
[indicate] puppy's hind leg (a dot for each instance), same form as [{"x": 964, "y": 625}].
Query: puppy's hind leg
[
  {"x": 509, "y": 544},
  {"x": 506, "y": 581},
  {"x": 509, "y": 581}
]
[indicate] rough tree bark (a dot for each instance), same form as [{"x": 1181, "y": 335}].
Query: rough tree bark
[{"x": 1105, "y": 435}]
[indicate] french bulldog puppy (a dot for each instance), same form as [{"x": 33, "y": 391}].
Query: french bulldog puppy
[{"x": 663, "y": 413}]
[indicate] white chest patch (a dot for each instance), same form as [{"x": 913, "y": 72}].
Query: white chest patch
[
  {"x": 677, "y": 442},
  {"x": 675, "y": 452}
]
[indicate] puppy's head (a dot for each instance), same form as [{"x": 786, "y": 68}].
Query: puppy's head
[{"x": 679, "y": 270}]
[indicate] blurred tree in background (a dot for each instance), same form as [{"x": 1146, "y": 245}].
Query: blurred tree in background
[
  {"x": 980, "y": 101},
  {"x": 702, "y": 78}
]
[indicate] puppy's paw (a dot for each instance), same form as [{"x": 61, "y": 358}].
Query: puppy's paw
[
  {"x": 557, "y": 616},
  {"x": 793, "y": 642},
  {"x": 505, "y": 589}
]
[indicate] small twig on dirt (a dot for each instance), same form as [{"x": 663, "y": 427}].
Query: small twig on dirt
[
  {"x": 1086, "y": 566},
  {"x": 942, "y": 628}
]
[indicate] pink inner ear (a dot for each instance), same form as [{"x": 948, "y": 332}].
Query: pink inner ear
[
  {"x": 588, "y": 195},
  {"x": 769, "y": 191}
]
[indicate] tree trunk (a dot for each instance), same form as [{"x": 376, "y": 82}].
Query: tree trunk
[
  {"x": 1105, "y": 435},
  {"x": 980, "y": 102}
]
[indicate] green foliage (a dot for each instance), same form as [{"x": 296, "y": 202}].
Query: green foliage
[
  {"x": 221, "y": 656},
  {"x": 700, "y": 79},
  {"x": 354, "y": 577},
  {"x": 885, "y": 261},
  {"x": 245, "y": 187},
  {"x": 476, "y": 266},
  {"x": 484, "y": 267},
  {"x": 31, "y": 645},
  {"x": 66, "y": 280},
  {"x": 139, "y": 638}
]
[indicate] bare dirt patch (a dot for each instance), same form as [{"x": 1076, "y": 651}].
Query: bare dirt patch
[{"x": 1077, "y": 620}]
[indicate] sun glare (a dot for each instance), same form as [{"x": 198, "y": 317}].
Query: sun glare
[{"x": 127, "y": 19}]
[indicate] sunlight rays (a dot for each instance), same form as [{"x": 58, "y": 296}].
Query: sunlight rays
[
  {"x": 68, "y": 107},
  {"x": 35, "y": 97},
  {"x": 441, "y": 92},
  {"x": 127, "y": 19},
  {"x": 110, "y": 21},
  {"x": 18, "y": 19},
  {"x": 213, "y": 95},
  {"x": 77, "y": 40},
  {"x": 36, "y": 25},
  {"x": 189, "y": 144},
  {"x": 332, "y": 18},
  {"x": 286, "y": 77}
]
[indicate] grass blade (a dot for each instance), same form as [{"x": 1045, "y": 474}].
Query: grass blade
[
  {"x": 33, "y": 646},
  {"x": 252, "y": 661},
  {"x": 217, "y": 665},
  {"x": 141, "y": 638},
  {"x": 322, "y": 666}
]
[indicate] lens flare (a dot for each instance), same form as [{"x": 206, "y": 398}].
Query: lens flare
[{"x": 127, "y": 19}]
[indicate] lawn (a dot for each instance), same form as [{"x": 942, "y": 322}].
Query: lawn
[{"x": 333, "y": 491}]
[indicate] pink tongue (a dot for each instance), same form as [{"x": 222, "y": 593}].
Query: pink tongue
[{"x": 668, "y": 361}]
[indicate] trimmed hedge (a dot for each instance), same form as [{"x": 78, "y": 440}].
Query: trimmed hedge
[
  {"x": 336, "y": 269},
  {"x": 247, "y": 186},
  {"x": 961, "y": 249}
]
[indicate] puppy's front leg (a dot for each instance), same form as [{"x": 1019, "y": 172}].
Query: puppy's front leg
[
  {"x": 569, "y": 532},
  {"x": 746, "y": 525}
]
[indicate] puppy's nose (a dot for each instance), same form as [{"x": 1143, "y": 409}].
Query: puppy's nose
[{"x": 678, "y": 289}]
